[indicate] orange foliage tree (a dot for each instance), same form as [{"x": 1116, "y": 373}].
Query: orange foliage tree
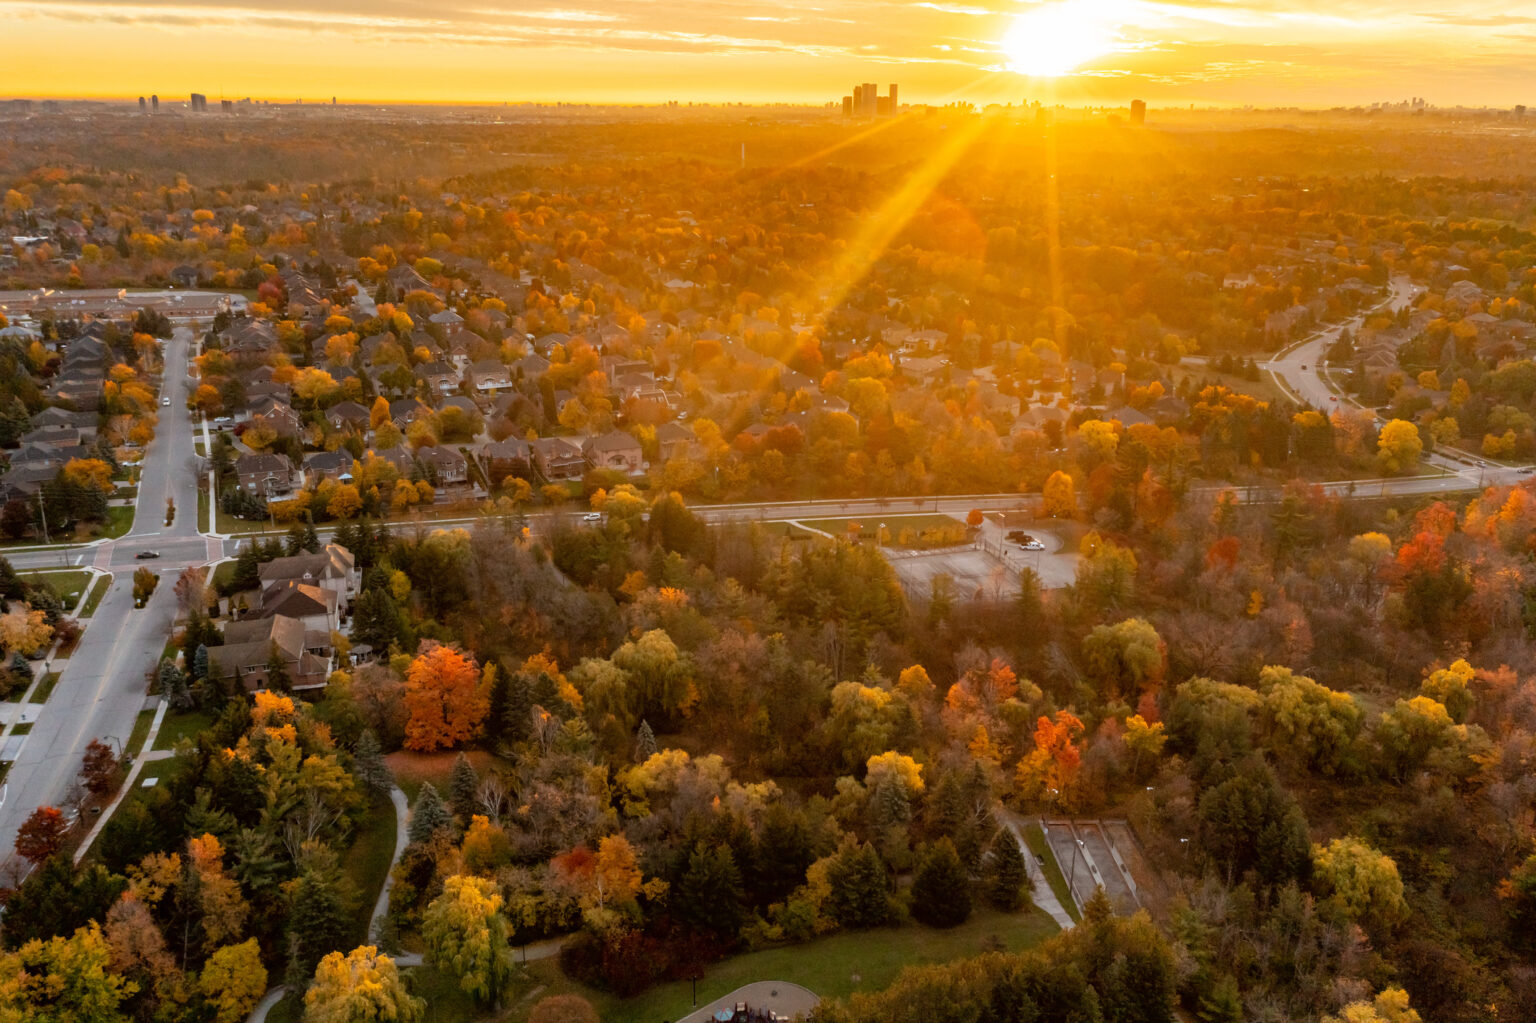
[
  {"x": 443, "y": 698},
  {"x": 1048, "y": 771}
]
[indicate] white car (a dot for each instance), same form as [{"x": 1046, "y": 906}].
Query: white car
[
  {"x": 165, "y": 401},
  {"x": 592, "y": 517}
]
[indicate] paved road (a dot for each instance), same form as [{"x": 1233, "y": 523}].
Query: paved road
[
  {"x": 101, "y": 689},
  {"x": 1297, "y": 368}
]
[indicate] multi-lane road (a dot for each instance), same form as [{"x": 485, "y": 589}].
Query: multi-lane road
[{"x": 102, "y": 685}]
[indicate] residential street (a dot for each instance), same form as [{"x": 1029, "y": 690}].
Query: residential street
[{"x": 101, "y": 690}]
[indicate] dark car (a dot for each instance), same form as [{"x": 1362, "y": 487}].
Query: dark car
[{"x": 147, "y": 555}]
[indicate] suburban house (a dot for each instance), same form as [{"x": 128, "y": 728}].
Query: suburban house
[
  {"x": 317, "y": 607},
  {"x": 558, "y": 458},
  {"x": 332, "y": 568},
  {"x": 267, "y": 474},
  {"x": 347, "y": 415},
  {"x": 443, "y": 465},
  {"x": 510, "y": 457},
  {"x": 673, "y": 441},
  {"x": 329, "y": 465},
  {"x": 276, "y": 415},
  {"x": 405, "y": 411},
  {"x": 251, "y": 647},
  {"x": 615, "y": 450},
  {"x": 490, "y": 375}
]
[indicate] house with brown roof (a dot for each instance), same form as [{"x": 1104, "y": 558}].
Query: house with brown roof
[
  {"x": 615, "y": 450},
  {"x": 317, "y": 607},
  {"x": 559, "y": 458},
  {"x": 252, "y": 646},
  {"x": 333, "y": 568},
  {"x": 267, "y": 474}
]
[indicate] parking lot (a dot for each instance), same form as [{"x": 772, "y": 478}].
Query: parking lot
[{"x": 988, "y": 569}]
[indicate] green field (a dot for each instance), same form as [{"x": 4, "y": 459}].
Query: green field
[
  {"x": 140, "y": 730},
  {"x": 45, "y": 689},
  {"x": 367, "y": 860},
  {"x": 178, "y": 726},
  {"x": 66, "y": 585},
  {"x": 833, "y": 967},
  {"x": 894, "y": 524},
  {"x": 98, "y": 591}
]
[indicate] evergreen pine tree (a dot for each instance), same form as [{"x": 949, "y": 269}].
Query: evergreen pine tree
[
  {"x": 645, "y": 742},
  {"x": 311, "y": 539},
  {"x": 173, "y": 686},
  {"x": 1005, "y": 873},
  {"x": 429, "y": 817},
  {"x": 368, "y": 763},
  {"x": 941, "y": 891},
  {"x": 461, "y": 790},
  {"x": 247, "y": 574},
  {"x": 857, "y": 880},
  {"x": 517, "y": 720},
  {"x": 318, "y": 922},
  {"x": 200, "y": 662}
]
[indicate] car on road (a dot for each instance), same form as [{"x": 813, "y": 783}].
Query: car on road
[
  {"x": 1303, "y": 365},
  {"x": 165, "y": 401},
  {"x": 147, "y": 555},
  {"x": 592, "y": 517},
  {"x": 1333, "y": 397}
]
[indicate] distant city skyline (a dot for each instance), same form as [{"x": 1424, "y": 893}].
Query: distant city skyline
[{"x": 804, "y": 51}]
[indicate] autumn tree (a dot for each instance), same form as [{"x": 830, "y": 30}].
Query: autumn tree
[
  {"x": 41, "y": 834},
  {"x": 361, "y": 986},
  {"x": 1398, "y": 447},
  {"x": 563, "y": 1009},
  {"x": 24, "y": 630},
  {"x": 443, "y": 698},
  {"x": 466, "y": 936},
  {"x": 1359, "y": 882},
  {"x": 1389, "y": 1006},
  {"x": 233, "y": 981},
  {"x": 1047, "y": 773},
  {"x": 1058, "y": 500},
  {"x": 99, "y": 768}
]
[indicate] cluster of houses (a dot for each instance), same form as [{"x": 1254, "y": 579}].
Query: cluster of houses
[{"x": 303, "y": 602}]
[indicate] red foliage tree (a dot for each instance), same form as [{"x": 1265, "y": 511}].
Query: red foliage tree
[{"x": 41, "y": 835}]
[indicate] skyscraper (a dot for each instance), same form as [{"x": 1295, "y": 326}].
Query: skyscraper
[
  {"x": 895, "y": 109},
  {"x": 1138, "y": 112},
  {"x": 143, "y": 107},
  {"x": 199, "y": 103},
  {"x": 871, "y": 99},
  {"x": 154, "y": 103},
  {"x": 847, "y": 106},
  {"x": 858, "y": 100}
]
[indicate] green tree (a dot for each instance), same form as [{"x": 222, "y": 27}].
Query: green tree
[
  {"x": 466, "y": 936},
  {"x": 708, "y": 895},
  {"x": 1249, "y": 822},
  {"x": 63, "y": 980},
  {"x": 319, "y": 916},
  {"x": 1005, "y": 873},
  {"x": 857, "y": 895},
  {"x": 941, "y": 889},
  {"x": 463, "y": 784},
  {"x": 429, "y": 816},
  {"x": 368, "y": 763}
]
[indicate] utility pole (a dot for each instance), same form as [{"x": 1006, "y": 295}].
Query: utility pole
[{"x": 42, "y": 511}]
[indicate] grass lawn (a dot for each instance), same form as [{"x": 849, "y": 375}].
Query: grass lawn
[
  {"x": 367, "y": 859},
  {"x": 827, "y": 966},
  {"x": 894, "y": 524},
  {"x": 45, "y": 689},
  {"x": 140, "y": 730},
  {"x": 119, "y": 521},
  {"x": 22, "y": 729},
  {"x": 202, "y": 507},
  {"x": 98, "y": 591},
  {"x": 412, "y": 769},
  {"x": 183, "y": 725},
  {"x": 223, "y": 575},
  {"x": 67, "y": 586},
  {"x": 1035, "y": 839}
]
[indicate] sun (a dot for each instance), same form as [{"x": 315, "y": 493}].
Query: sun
[{"x": 1057, "y": 38}]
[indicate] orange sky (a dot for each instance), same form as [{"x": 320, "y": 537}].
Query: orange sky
[{"x": 1200, "y": 51}]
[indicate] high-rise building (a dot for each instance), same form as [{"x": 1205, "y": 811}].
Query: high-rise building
[
  {"x": 866, "y": 101},
  {"x": 154, "y": 103},
  {"x": 1138, "y": 112},
  {"x": 871, "y": 99},
  {"x": 199, "y": 103},
  {"x": 227, "y": 106},
  {"x": 847, "y": 106},
  {"x": 143, "y": 106},
  {"x": 894, "y": 108},
  {"x": 858, "y": 100}
]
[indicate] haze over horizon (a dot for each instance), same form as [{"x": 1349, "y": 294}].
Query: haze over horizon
[{"x": 1205, "y": 52}]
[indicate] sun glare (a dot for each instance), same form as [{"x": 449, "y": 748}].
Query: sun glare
[{"x": 1057, "y": 38}]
